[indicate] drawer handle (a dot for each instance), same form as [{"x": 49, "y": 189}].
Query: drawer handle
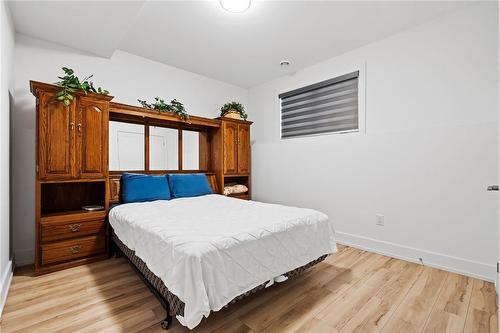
[
  {"x": 75, "y": 227},
  {"x": 75, "y": 249}
]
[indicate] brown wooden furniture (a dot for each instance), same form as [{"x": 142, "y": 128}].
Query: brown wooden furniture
[
  {"x": 224, "y": 144},
  {"x": 137, "y": 115},
  {"x": 71, "y": 172},
  {"x": 72, "y": 168},
  {"x": 231, "y": 154}
]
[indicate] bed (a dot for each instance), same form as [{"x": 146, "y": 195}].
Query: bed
[{"x": 200, "y": 254}]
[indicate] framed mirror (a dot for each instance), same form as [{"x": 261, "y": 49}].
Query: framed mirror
[
  {"x": 163, "y": 148},
  {"x": 190, "y": 150},
  {"x": 126, "y": 146}
]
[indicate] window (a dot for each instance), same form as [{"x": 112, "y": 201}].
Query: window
[{"x": 330, "y": 106}]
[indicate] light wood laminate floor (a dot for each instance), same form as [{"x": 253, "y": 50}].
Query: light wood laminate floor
[{"x": 351, "y": 291}]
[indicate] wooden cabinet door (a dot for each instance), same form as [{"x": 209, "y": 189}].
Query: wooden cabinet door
[
  {"x": 243, "y": 149},
  {"x": 56, "y": 138},
  {"x": 92, "y": 137},
  {"x": 230, "y": 137}
]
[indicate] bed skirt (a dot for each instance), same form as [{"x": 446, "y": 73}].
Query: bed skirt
[{"x": 175, "y": 306}]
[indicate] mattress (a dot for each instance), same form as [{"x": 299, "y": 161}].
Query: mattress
[{"x": 208, "y": 250}]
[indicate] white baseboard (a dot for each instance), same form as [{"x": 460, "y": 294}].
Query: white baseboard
[
  {"x": 5, "y": 285},
  {"x": 497, "y": 287},
  {"x": 448, "y": 263},
  {"x": 24, "y": 257}
]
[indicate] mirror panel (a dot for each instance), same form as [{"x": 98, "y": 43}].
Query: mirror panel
[
  {"x": 163, "y": 148},
  {"x": 190, "y": 150},
  {"x": 126, "y": 146}
]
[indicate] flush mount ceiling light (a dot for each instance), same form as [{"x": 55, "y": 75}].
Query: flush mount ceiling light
[{"x": 235, "y": 6}]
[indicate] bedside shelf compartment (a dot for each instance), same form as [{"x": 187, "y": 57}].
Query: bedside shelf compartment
[
  {"x": 57, "y": 230},
  {"x": 57, "y": 252},
  {"x": 70, "y": 197}
]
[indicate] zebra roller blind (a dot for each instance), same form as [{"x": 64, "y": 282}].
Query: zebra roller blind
[{"x": 324, "y": 107}]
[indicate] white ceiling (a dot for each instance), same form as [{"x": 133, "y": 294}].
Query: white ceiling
[{"x": 243, "y": 49}]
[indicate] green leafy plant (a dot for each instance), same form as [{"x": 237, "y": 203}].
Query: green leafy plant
[
  {"x": 231, "y": 107},
  {"x": 71, "y": 83},
  {"x": 175, "y": 107}
]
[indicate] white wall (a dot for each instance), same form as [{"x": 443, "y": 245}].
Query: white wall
[
  {"x": 429, "y": 151},
  {"x": 6, "y": 87},
  {"x": 126, "y": 76}
]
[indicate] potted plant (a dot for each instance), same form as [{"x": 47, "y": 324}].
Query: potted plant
[
  {"x": 71, "y": 83},
  {"x": 233, "y": 110}
]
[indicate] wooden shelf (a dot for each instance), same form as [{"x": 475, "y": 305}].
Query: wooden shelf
[
  {"x": 73, "y": 215},
  {"x": 80, "y": 180},
  {"x": 118, "y": 109},
  {"x": 241, "y": 121}
]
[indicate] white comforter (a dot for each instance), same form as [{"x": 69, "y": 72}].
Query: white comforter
[{"x": 210, "y": 249}]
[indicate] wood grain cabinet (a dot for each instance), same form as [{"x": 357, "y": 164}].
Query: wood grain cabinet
[
  {"x": 72, "y": 140},
  {"x": 243, "y": 149},
  {"x": 236, "y": 140},
  {"x": 92, "y": 137},
  {"x": 230, "y": 158},
  {"x": 72, "y": 172},
  {"x": 56, "y": 138},
  {"x": 230, "y": 139}
]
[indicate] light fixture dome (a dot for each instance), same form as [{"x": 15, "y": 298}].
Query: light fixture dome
[{"x": 235, "y": 6}]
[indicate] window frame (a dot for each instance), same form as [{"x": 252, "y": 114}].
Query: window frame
[{"x": 331, "y": 76}]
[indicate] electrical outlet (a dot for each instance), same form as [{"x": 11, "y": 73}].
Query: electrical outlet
[{"x": 380, "y": 220}]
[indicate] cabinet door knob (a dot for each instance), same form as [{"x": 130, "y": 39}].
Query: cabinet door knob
[
  {"x": 75, "y": 227},
  {"x": 75, "y": 249},
  {"x": 72, "y": 126},
  {"x": 79, "y": 127}
]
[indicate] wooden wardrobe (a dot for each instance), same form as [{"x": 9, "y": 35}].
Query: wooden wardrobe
[
  {"x": 71, "y": 172},
  {"x": 72, "y": 169}
]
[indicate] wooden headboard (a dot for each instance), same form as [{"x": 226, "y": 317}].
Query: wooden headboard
[{"x": 115, "y": 193}]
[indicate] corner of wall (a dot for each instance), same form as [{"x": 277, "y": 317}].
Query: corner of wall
[{"x": 5, "y": 285}]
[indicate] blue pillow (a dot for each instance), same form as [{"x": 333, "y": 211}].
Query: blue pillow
[
  {"x": 140, "y": 188},
  {"x": 189, "y": 185}
]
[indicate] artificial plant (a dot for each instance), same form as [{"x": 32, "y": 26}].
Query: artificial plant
[
  {"x": 175, "y": 107},
  {"x": 71, "y": 83},
  {"x": 233, "y": 107}
]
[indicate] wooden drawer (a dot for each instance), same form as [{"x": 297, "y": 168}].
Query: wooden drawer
[
  {"x": 73, "y": 249},
  {"x": 55, "y": 230}
]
